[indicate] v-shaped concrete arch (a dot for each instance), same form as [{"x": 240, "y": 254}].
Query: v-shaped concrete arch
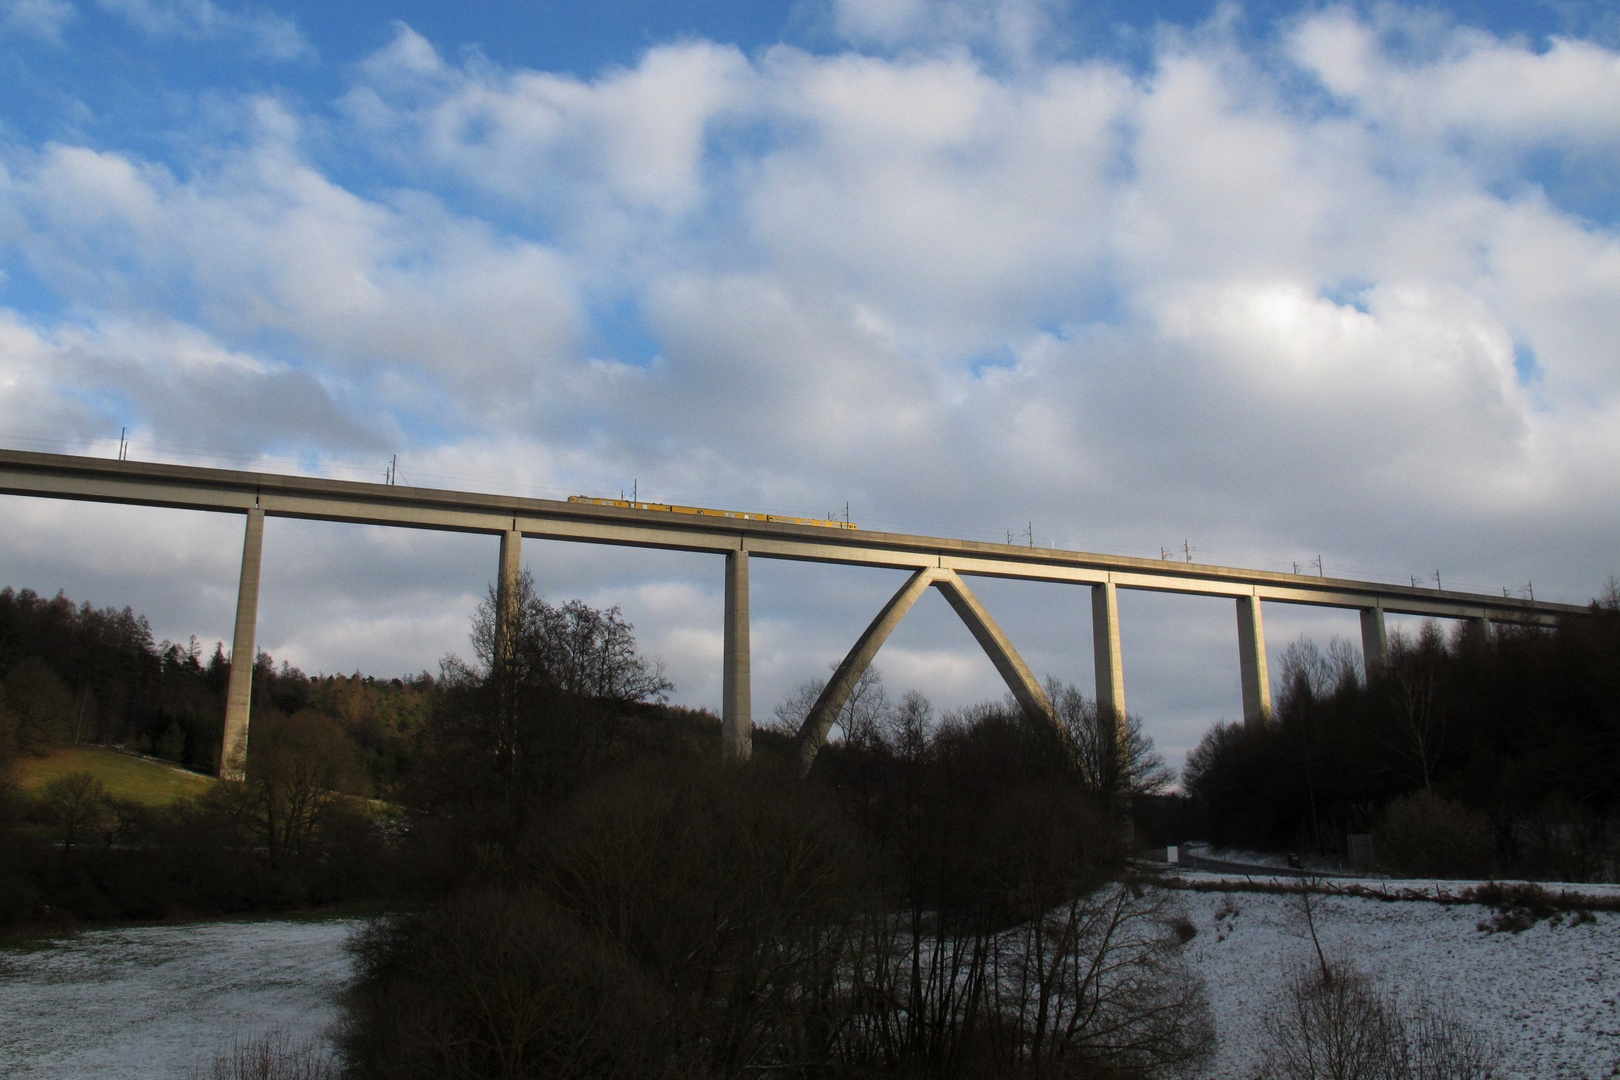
[{"x": 1028, "y": 692}]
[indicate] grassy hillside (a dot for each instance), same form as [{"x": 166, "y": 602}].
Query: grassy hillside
[{"x": 125, "y": 776}]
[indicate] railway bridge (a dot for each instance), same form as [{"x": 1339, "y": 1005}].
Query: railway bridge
[{"x": 934, "y": 563}]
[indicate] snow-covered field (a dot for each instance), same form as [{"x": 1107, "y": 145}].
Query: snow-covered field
[
  {"x": 151, "y": 1003},
  {"x": 1550, "y": 994}
]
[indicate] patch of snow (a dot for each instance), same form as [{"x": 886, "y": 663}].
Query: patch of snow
[
  {"x": 152, "y": 1002},
  {"x": 1550, "y": 994},
  {"x": 1442, "y": 887}
]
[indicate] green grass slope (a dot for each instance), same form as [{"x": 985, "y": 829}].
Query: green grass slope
[{"x": 125, "y": 776}]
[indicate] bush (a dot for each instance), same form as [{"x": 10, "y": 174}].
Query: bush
[
  {"x": 499, "y": 983},
  {"x": 76, "y": 805},
  {"x": 1424, "y": 835},
  {"x": 271, "y": 1056},
  {"x": 1332, "y": 1023},
  {"x": 733, "y": 890}
]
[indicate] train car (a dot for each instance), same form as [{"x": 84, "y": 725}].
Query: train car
[{"x": 705, "y": 511}]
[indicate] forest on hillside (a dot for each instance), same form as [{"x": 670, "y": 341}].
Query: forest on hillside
[{"x": 1466, "y": 755}]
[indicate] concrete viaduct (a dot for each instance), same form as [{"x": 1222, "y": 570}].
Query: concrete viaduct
[{"x": 934, "y": 562}]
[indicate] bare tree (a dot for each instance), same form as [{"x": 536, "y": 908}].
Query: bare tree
[
  {"x": 75, "y": 804},
  {"x": 909, "y": 724},
  {"x": 1307, "y": 673},
  {"x": 1306, "y": 676},
  {"x": 863, "y": 718},
  {"x": 301, "y": 768},
  {"x": 1308, "y": 908},
  {"x": 1417, "y": 717},
  {"x": 1098, "y": 982},
  {"x": 575, "y": 648},
  {"x": 1112, "y": 768}
]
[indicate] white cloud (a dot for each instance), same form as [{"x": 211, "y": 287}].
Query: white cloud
[
  {"x": 628, "y": 143},
  {"x": 273, "y": 36},
  {"x": 43, "y": 19},
  {"x": 1463, "y": 81},
  {"x": 1015, "y": 31},
  {"x": 403, "y": 297}
]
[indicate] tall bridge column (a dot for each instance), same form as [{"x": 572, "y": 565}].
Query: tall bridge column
[
  {"x": 737, "y": 715},
  {"x": 1252, "y": 660},
  {"x": 506, "y": 586},
  {"x": 244, "y": 651},
  {"x": 1374, "y": 641},
  {"x": 1110, "y": 670}
]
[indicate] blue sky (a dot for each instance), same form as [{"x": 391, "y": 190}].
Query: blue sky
[{"x": 1275, "y": 281}]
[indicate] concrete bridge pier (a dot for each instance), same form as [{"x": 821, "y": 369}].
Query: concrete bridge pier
[
  {"x": 1252, "y": 661},
  {"x": 244, "y": 651},
  {"x": 1374, "y": 642},
  {"x": 506, "y": 586},
  {"x": 736, "y": 708},
  {"x": 1110, "y": 670}
]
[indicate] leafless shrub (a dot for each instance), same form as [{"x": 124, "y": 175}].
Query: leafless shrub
[
  {"x": 270, "y": 1055},
  {"x": 1098, "y": 985},
  {"x": 76, "y": 804},
  {"x": 1024, "y": 960},
  {"x": 1332, "y": 1022},
  {"x": 499, "y": 984},
  {"x": 1427, "y": 835},
  {"x": 1435, "y": 1043},
  {"x": 728, "y": 889}
]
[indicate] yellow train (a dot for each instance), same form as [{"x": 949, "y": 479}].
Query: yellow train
[{"x": 704, "y": 511}]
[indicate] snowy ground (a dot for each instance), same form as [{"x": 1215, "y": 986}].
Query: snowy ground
[
  {"x": 154, "y": 1002},
  {"x": 1550, "y": 994}
]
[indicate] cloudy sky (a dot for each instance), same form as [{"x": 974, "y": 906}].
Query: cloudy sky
[{"x": 1276, "y": 282}]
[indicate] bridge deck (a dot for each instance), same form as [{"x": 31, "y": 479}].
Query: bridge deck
[{"x": 194, "y": 488}]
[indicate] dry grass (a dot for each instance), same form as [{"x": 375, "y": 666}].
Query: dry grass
[{"x": 125, "y": 776}]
